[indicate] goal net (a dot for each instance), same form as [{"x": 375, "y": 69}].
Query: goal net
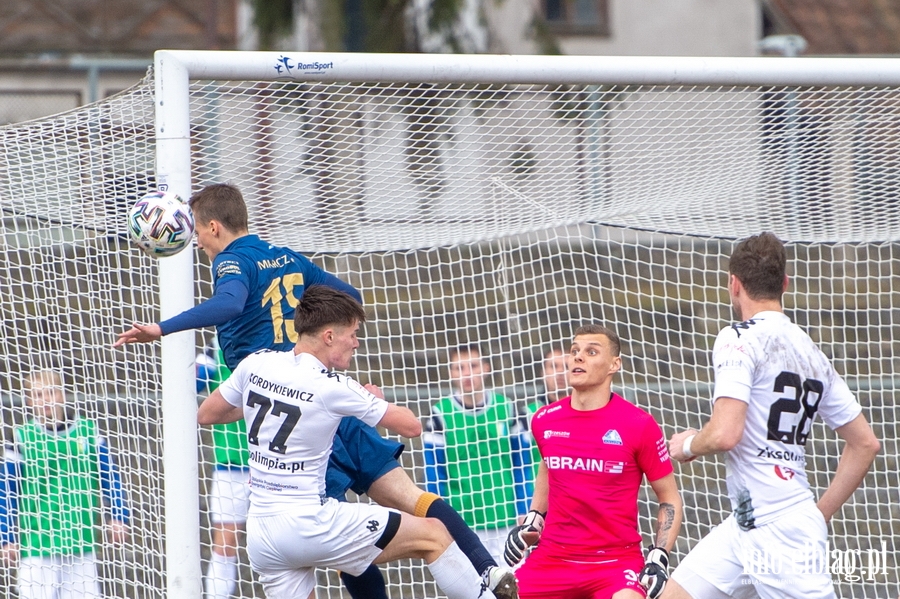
[{"x": 500, "y": 213}]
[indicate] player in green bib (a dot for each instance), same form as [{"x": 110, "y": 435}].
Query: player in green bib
[
  {"x": 229, "y": 494},
  {"x": 56, "y": 479},
  {"x": 470, "y": 460},
  {"x": 554, "y": 374}
]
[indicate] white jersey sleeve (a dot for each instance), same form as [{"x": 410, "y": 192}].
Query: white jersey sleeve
[
  {"x": 840, "y": 405},
  {"x": 232, "y": 389},
  {"x": 734, "y": 364},
  {"x": 352, "y": 399}
]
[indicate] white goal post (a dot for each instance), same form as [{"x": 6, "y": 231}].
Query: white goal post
[{"x": 492, "y": 200}]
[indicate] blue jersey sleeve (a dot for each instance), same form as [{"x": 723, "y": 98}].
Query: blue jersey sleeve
[
  {"x": 9, "y": 479},
  {"x": 226, "y": 303},
  {"x": 111, "y": 485},
  {"x": 436, "y": 477},
  {"x": 435, "y": 470},
  {"x": 522, "y": 471},
  {"x": 320, "y": 277}
]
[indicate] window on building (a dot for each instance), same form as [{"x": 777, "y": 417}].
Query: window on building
[{"x": 577, "y": 17}]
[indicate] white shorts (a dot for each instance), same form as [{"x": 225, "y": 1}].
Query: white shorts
[
  {"x": 229, "y": 496},
  {"x": 494, "y": 540},
  {"x": 59, "y": 577},
  {"x": 285, "y": 549},
  {"x": 783, "y": 559}
]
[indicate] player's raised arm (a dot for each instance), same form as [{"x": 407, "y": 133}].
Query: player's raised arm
[
  {"x": 215, "y": 410},
  {"x": 401, "y": 421},
  {"x": 723, "y": 431},
  {"x": 396, "y": 419},
  {"x": 226, "y": 304},
  {"x": 139, "y": 333}
]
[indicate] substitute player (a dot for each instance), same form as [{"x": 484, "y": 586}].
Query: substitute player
[
  {"x": 293, "y": 403},
  {"x": 770, "y": 383},
  {"x": 596, "y": 449},
  {"x": 469, "y": 456},
  {"x": 256, "y": 287},
  {"x": 229, "y": 492},
  {"x": 54, "y": 484},
  {"x": 555, "y": 379}
]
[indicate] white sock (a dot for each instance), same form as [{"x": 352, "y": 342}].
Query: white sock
[
  {"x": 221, "y": 576},
  {"x": 454, "y": 574}
]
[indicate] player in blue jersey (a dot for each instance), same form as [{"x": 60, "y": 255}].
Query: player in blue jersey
[{"x": 255, "y": 288}]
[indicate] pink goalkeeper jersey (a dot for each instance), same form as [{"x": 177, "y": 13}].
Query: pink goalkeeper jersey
[{"x": 596, "y": 461}]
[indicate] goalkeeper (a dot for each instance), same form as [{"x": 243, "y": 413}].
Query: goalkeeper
[
  {"x": 256, "y": 287},
  {"x": 596, "y": 449}
]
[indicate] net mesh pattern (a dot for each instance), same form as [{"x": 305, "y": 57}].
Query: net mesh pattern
[{"x": 498, "y": 215}]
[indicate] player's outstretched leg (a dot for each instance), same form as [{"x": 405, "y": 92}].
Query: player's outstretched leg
[
  {"x": 429, "y": 505},
  {"x": 395, "y": 489},
  {"x": 364, "y": 461},
  {"x": 499, "y": 579},
  {"x": 427, "y": 539}
]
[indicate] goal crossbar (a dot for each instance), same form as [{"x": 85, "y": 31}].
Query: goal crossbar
[{"x": 454, "y": 68}]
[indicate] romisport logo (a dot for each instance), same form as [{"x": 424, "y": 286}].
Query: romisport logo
[{"x": 285, "y": 65}]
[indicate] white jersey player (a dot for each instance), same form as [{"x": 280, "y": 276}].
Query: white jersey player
[
  {"x": 290, "y": 426},
  {"x": 292, "y": 403},
  {"x": 771, "y": 381}
]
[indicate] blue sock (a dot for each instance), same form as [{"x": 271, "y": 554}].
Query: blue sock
[
  {"x": 468, "y": 541},
  {"x": 368, "y": 585}
]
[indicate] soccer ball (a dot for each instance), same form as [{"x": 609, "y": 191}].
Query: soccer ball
[{"x": 161, "y": 224}]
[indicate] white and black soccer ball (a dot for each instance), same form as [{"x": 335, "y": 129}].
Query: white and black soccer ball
[{"x": 161, "y": 224}]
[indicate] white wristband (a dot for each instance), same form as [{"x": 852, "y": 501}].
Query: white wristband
[{"x": 686, "y": 448}]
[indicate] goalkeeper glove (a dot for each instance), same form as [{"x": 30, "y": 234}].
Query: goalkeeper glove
[
  {"x": 516, "y": 545},
  {"x": 655, "y": 572}
]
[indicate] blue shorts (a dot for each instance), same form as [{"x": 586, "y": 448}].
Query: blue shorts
[{"x": 359, "y": 457}]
